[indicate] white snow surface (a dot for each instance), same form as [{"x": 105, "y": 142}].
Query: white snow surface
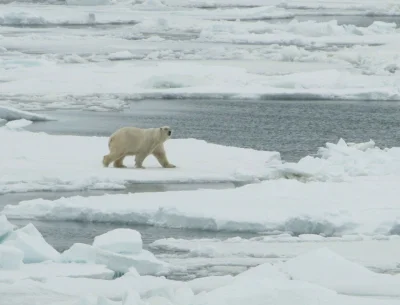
[
  {"x": 42, "y": 162},
  {"x": 11, "y": 114},
  {"x": 18, "y": 124},
  {"x": 286, "y": 59},
  {"x": 277, "y": 205},
  {"x": 171, "y": 79},
  {"x": 48, "y": 270},
  {"x": 43, "y": 14},
  {"x": 5, "y": 227},
  {"x": 340, "y": 161},
  {"x": 374, "y": 252},
  {"x": 144, "y": 261},
  {"x": 34, "y": 247},
  {"x": 10, "y": 258},
  {"x": 326, "y": 268},
  {"x": 120, "y": 241}
]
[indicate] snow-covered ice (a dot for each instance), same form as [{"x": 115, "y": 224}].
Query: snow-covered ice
[
  {"x": 171, "y": 79},
  {"x": 120, "y": 250},
  {"x": 164, "y": 35},
  {"x": 5, "y": 227},
  {"x": 326, "y": 268},
  {"x": 10, "y": 258},
  {"x": 41, "y": 162},
  {"x": 144, "y": 261},
  {"x": 276, "y": 205},
  {"x": 34, "y": 247},
  {"x": 44, "y": 271},
  {"x": 209, "y": 283},
  {"x": 374, "y": 252},
  {"x": 11, "y": 114},
  {"x": 17, "y": 124},
  {"x": 338, "y": 162},
  {"x": 120, "y": 241},
  {"x": 312, "y": 277}
]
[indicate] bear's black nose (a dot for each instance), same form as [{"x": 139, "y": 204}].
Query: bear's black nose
[{"x": 169, "y": 132}]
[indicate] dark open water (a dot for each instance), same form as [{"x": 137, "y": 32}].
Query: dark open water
[{"x": 293, "y": 128}]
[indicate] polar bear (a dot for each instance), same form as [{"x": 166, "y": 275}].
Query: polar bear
[{"x": 133, "y": 141}]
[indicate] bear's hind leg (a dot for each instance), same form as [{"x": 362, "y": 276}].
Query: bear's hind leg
[
  {"x": 107, "y": 159},
  {"x": 159, "y": 153},
  {"x": 119, "y": 162}
]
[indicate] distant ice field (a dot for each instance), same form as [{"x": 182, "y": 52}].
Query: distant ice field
[{"x": 197, "y": 49}]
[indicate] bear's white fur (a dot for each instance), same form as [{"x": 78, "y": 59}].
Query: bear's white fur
[{"x": 138, "y": 142}]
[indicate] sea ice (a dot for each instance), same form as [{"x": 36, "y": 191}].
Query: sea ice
[
  {"x": 262, "y": 271},
  {"x": 11, "y": 114},
  {"x": 144, "y": 261},
  {"x": 338, "y": 162},
  {"x": 45, "y": 270},
  {"x": 265, "y": 284},
  {"x": 124, "y": 241},
  {"x": 328, "y": 208},
  {"x": 208, "y": 283},
  {"x": 17, "y": 124},
  {"x": 88, "y": 2},
  {"x": 179, "y": 295},
  {"x": 122, "y": 55},
  {"x": 5, "y": 227},
  {"x": 374, "y": 252},
  {"x": 67, "y": 163},
  {"x": 115, "y": 289},
  {"x": 326, "y": 268},
  {"x": 10, "y": 258},
  {"x": 131, "y": 297},
  {"x": 205, "y": 80},
  {"x": 29, "y": 240}
]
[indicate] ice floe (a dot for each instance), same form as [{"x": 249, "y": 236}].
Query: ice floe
[
  {"x": 66, "y": 163},
  {"x": 11, "y": 114},
  {"x": 49, "y": 269},
  {"x": 18, "y": 124},
  {"x": 120, "y": 241},
  {"x": 332, "y": 209},
  {"x": 302, "y": 279},
  {"x": 337, "y": 162},
  {"x": 5, "y": 227},
  {"x": 34, "y": 247},
  {"x": 205, "y": 256},
  {"x": 10, "y": 258},
  {"x": 205, "y": 80},
  {"x": 326, "y": 268},
  {"x": 144, "y": 261}
]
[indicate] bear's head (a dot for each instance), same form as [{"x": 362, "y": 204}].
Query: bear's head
[{"x": 166, "y": 132}]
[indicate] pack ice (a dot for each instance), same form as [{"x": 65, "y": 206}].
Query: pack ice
[{"x": 313, "y": 277}]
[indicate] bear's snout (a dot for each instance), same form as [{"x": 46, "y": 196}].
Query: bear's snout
[{"x": 169, "y": 132}]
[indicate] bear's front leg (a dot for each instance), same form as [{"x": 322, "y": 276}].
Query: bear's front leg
[
  {"x": 139, "y": 161},
  {"x": 159, "y": 154}
]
